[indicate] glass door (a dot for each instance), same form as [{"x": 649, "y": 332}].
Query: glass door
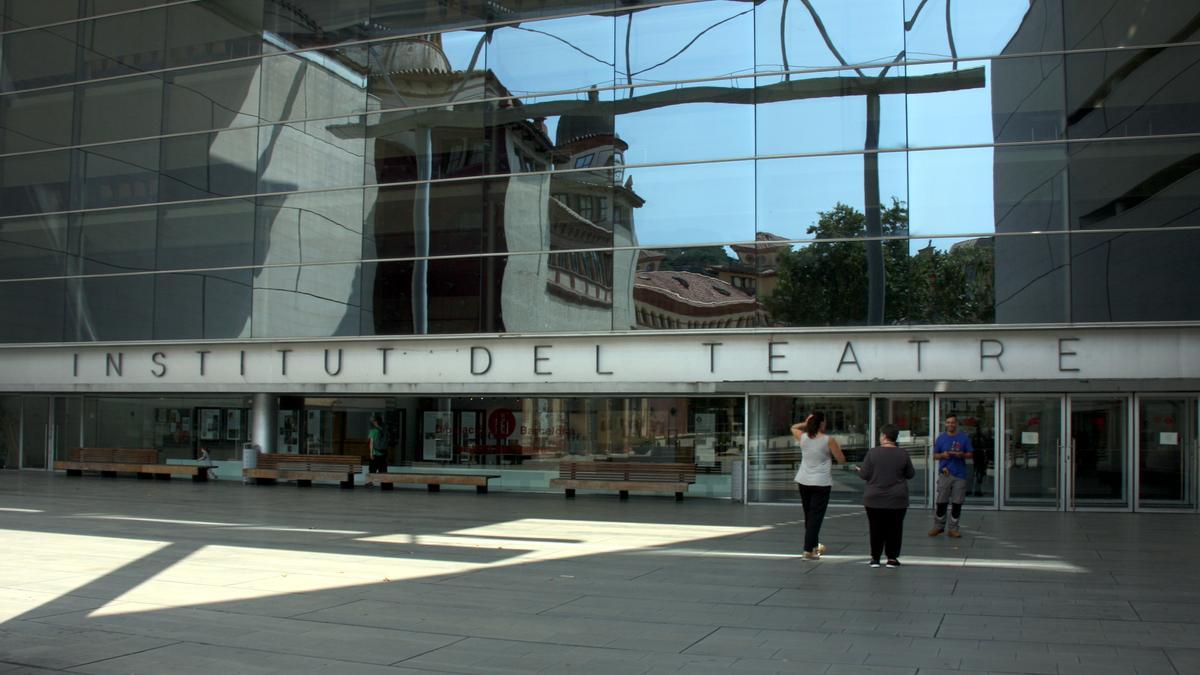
[
  {"x": 68, "y": 425},
  {"x": 977, "y": 418},
  {"x": 774, "y": 456},
  {"x": 1166, "y": 452},
  {"x": 1099, "y": 447},
  {"x": 911, "y": 416},
  {"x": 1032, "y": 451},
  {"x": 35, "y": 427}
]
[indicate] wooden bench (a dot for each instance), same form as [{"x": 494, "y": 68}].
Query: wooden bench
[
  {"x": 111, "y": 461},
  {"x": 304, "y": 469},
  {"x": 625, "y": 477},
  {"x": 434, "y": 481}
]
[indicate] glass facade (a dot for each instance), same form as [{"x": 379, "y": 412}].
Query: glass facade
[{"x": 322, "y": 168}]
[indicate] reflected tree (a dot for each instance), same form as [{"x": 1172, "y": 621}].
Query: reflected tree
[{"x": 826, "y": 283}]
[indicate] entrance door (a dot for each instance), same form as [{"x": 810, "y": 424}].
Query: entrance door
[
  {"x": 35, "y": 427},
  {"x": 1166, "y": 452},
  {"x": 910, "y": 415},
  {"x": 1032, "y": 451},
  {"x": 977, "y": 419},
  {"x": 1099, "y": 447}
]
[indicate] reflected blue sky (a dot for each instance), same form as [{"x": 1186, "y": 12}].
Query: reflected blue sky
[{"x": 947, "y": 191}]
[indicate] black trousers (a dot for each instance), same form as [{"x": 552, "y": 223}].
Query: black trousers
[
  {"x": 815, "y": 499},
  {"x": 379, "y": 464},
  {"x": 887, "y": 529}
]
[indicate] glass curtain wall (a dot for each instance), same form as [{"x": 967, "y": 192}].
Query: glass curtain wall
[{"x": 398, "y": 168}]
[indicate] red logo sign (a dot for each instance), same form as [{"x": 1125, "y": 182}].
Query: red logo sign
[{"x": 501, "y": 423}]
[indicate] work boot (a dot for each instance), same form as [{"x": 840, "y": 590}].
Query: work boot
[
  {"x": 936, "y": 531},
  {"x": 954, "y": 534}
]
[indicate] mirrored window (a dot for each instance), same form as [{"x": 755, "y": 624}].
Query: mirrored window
[
  {"x": 1133, "y": 93},
  {"x": 692, "y": 203},
  {"x": 33, "y": 247},
  {"x": 34, "y": 309},
  {"x": 37, "y": 183},
  {"x": 309, "y": 301},
  {"x": 1134, "y": 276},
  {"x": 208, "y": 305},
  {"x": 1124, "y": 23},
  {"x": 204, "y": 235},
  {"x": 981, "y": 28},
  {"x": 217, "y": 97},
  {"x": 310, "y": 227},
  {"x": 36, "y": 120},
  {"x": 102, "y": 309},
  {"x": 209, "y": 165},
  {"x": 119, "y": 175}
]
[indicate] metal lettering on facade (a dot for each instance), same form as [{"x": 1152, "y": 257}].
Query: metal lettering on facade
[{"x": 1101, "y": 353}]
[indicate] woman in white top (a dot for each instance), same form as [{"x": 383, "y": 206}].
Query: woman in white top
[{"x": 815, "y": 477}]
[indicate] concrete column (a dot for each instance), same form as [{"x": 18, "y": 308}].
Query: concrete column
[{"x": 263, "y": 420}]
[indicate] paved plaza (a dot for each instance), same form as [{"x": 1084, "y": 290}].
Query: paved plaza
[{"x": 128, "y": 576}]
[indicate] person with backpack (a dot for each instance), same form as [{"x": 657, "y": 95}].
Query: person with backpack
[{"x": 376, "y": 439}]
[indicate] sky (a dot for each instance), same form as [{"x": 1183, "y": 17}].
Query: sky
[{"x": 947, "y": 191}]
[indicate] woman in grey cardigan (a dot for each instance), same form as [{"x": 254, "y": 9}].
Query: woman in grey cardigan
[{"x": 886, "y": 468}]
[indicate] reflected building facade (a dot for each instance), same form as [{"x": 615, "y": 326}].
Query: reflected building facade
[{"x": 649, "y": 184}]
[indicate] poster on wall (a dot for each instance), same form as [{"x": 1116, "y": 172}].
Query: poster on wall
[
  {"x": 706, "y": 438},
  {"x": 210, "y": 424},
  {"x": 312, "y": 432},
  {"x": 437, "y": 433},
  {"x": 233, "y": 424},
  {"x": 289, "y": 432},
  {"x": 469, "y": 423}
]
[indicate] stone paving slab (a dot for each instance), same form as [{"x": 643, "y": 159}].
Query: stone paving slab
[{"x": 170, "y": 576}]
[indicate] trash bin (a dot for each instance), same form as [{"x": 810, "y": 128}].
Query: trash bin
[{"x": 249, "y": 458}]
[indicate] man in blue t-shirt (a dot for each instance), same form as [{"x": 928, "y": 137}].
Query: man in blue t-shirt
[{"x": 951, "y": 450}]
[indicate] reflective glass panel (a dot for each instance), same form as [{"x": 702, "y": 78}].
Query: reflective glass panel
[
  {"x": 312, "y": 301},
  {"x": 209, "y": 165},
  {"x": 694, "y": 287},
  {"x": 980, "y": 102},
  {"x": 977, "y": 419},
  {"x": 311, "y": 227},
  {"x": 34, "y": 310},
  {"x": 564, "y": 54},
  {"x": 1098, "y": 452},
  {"x": 38, "y": 58},
  {"x": 1033, "y": 448},
  {"x": 306, "y": 23},
  {"x": 692, "y": 203},
  {"x": 202, "y": 235},
  {"x": 36, "y": 120},
  {"x": 320, "y": 83},
  {"x": 517, "y": 293},
  {"x": 795, "y": 196},
  {"x": 1167, "y": 452},
  {"x": 686, "y": 41},
  {"x": 111, "y": 242},
  {"x": 310, "y": 155},
  {"x": 910, "y": 416},
  {"x": 775, "y": 454},
  {"x": 34, "y": 247},
  {"x": 217, "y": 97},
  {"x": 982, "y": 29},
  {"x": 120, "y": 174},
  {"x": 125, "y": 108},
  {"x": 121, "y": 45},
  {"x": 830, "y": 112},
  {"x": 789, "y": 35},
  {"x": 213, "y": 30},
  {"x": 1133, "y": 93},
  {"x": 1134, "y": 276},
  {"x": 101, "y": 309},
  {"x": 203, "y": 305},
  {"x": 1123, "y": 23},
  {"x": 35, "y": 183}
]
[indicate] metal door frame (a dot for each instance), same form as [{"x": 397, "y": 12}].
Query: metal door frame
[
  {"x": 1068, "y": 462},
  {"x": 997, "y": 453},
  {"x": 1191, "y": 445},
  {"x": 1002, "y": 451}
]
